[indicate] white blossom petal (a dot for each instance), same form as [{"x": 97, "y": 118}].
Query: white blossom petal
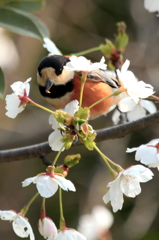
[
  {"x": 22, "y": 228},
  {"x": 149, "y": 106},
  {"x": 14, "y": 99},
  {"x": 8, "y": 215},
  {"x": 114, "y": 194},
  {"x": 56, "y": 137},
  {"x": 125, "y": 66},
  {"x": 64, "y": 183},
  {"x": 130, "y": 186},
  {"x": 46, "y": 186},
  {"x": 20, "y": 225},
  {"x": 28, "y": 181},
  {"x": 116, "y": 117},
  {"x": 142, "y": 173},
  {"x": 82, "y": 64},
  {"x": 126, "y": 104},
  {"x": 146, "y": 155},
  {"x": 70, "y": 234},
  {"x": 143, "y": 90},
  {"x": 50, "y": 46},
  {"x": 100, "y": 65},
  {"x": 130, "y": 150},
  {"x": 72, "y": 107},
  {"x": 18, "y": 87},
  {"x": 137, "y": 113},
  {"x": 12, "y": 105},
  {"x": 55, "y": 140}
]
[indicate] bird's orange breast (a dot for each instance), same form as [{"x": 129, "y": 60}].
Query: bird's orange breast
[{"x": 93, "y": 92}]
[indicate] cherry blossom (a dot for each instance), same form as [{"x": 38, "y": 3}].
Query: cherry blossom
[
  {"x": 16, "y": 102},
  {"x": 47, "y": 184},
  {"x": 56, "y": 136},
  {"x": 134, "y": 89},
  {"x": 83, "y": 64},
  {"x": 21, "y": 226},
  {"x": 133, "y": 111},
  {"x": 147, "y": 154},
  {"x": 128, "y": 183}
]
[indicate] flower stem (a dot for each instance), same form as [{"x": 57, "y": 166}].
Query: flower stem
[
  {"x": 43, "y": 211},
  {"x": 83, "y": 80},
  {"x": 87, "y": 51},
  {"x": 153, "y": 97},
  {"x": 57, "y": 156},
  {"x": 62, "y": 220},
  {"x": 111, "y": 95},
  {"x": 106, "y": 160},
  {"x": 26, "y": 207},
  {"x": 39, "y": 106}
]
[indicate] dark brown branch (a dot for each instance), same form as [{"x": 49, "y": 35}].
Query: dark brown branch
[{"x": 39, "y": 150}]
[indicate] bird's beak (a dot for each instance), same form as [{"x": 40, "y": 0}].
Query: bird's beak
[{"x": 48, "y": 85}]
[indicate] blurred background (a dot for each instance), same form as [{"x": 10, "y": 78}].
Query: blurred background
[{"x": 76, "y": 26}]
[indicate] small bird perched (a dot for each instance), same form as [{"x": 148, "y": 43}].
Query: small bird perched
[{"x": 60, "y": 86}]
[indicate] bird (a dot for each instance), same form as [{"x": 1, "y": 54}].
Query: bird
[{"x": 60, "y": 86}]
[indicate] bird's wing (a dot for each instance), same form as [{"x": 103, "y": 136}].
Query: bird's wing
[{"x": 101, "y": 76}]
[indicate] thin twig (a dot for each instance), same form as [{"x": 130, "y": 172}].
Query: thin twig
[{"x": 42, "y": 149}]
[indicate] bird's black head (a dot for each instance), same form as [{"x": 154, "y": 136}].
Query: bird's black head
[
  {"x": 51, "y": 71},
  {"x": 53, "y": 79},
  {"x": 57, "y": 62}
]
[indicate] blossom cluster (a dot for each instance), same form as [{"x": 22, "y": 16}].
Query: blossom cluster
[{"x": 70, "y": 125}]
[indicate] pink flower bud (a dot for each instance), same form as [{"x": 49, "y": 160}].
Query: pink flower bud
[{"x": 47, "y": 227}]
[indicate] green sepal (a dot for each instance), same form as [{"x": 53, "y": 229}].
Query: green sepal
[
  {"x": 107, "y": 49},
  {"x": 82, "y": 113},
  {"x": 68, "y": 140},
  {"x": 59, "y": 170},
  {"x": 88, "y": 141}
]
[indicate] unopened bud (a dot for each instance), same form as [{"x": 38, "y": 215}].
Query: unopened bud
[
  {"x": 121, "y": 27},
  {"x": 121, "y": 39},
  {"x": 63, "y": 117},
  {"x": 72, "y": 160},
  {"x": 47, "y": 228},
  {"x": 68, "y": 140}
]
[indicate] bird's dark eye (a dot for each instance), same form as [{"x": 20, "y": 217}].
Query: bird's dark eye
[{"x": 79, "y": 74}]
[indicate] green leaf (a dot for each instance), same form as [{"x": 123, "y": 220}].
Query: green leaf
[
  {"x": 107, "y": 49},
  {"x": 121, "y": 41},
  {"x": 2, "y": 84},
  {"x": 22, "y": 23},
  {"x": 26, "y": 5}
]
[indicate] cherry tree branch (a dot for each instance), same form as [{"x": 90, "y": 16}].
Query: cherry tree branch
[{"x": 42, "y": 149}]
